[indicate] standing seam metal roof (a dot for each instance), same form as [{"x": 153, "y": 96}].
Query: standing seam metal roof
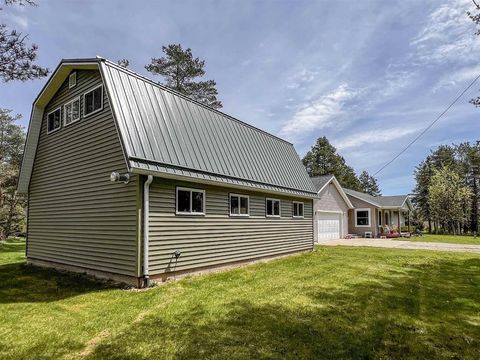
[{"x": 168, "y": 133}]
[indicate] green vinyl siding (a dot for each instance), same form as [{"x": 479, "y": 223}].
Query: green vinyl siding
[
  {"x": 76, "y": 215},
  {"x": 216, "y": 238}
]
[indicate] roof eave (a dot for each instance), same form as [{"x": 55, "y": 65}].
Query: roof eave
[
  {"x": 290, "y": 192},
  {"x": 362, "y": 199}
]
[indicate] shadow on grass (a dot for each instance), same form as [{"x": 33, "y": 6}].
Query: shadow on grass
[
  {"x": 429, "y": 310},
  {"x": 21, "y": 283}
]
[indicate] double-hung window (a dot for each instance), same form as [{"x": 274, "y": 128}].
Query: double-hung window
[
  {"x": 298, "y": 209},
  {"x": 362, "y": 217},
  {"x": 239, "y": 205},
  {"x": 71, "y": 111},
  {"x": 190, "y": 201},
  {"x": 54, "y": 120},
  {"x": 273, "y": 207},
  {"x": 93, "y": 101}
]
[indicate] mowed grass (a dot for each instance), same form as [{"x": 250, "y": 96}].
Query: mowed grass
[
  {"x": 335, "y": 302},
  {"x": 453, "y": 239}
]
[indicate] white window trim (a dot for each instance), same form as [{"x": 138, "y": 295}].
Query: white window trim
[
  {"x": 75, "y": 82},
  {"x": 65, "y": 112},
  {"x": 369, "y": 217},
  {"x": 191, "y": 199},
  {"x": 293, "y": 210},
  {"x": 230, "y": 205},
  {"x": 48, "y": 115},
  {"x": 279, "y": 207},
  {"x": 85, "y": 103}
]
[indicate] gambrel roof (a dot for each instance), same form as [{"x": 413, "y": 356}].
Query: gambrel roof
[{"x": 167, "y": 134}]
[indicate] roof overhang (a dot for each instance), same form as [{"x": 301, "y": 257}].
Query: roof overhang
[
  {"x": 361, "y": 199},
  {"x": 212, "y": 181},
  {"x": 333, "y": 180},
  {"x": 48, "y": 91}
]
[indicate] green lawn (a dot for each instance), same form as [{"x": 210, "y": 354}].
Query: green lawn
[
  {"x": 454, "y": 239},
  {"x": 336, "y": 302}
]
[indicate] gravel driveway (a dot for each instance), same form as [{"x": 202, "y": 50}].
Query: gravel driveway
[{"x": 400, "y": 244}]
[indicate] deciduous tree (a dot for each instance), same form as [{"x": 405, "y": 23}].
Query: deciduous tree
[
  {"x": 12, "y": 205},
  {"x": 449, "y": 199}
]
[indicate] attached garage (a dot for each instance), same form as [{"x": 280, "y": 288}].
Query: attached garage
[
  {"x": 329, "y": 225},
  {"x": 331, "y": 209}
]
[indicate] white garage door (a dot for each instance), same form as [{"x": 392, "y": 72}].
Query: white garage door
[{"x": 328, "y": 226}]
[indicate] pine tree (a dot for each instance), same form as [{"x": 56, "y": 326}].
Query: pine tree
[
  {"x": 323, "y": 159},
  {"x": 123, "y": 63},
  {"x": 17, "y": 60},
  {"x": 369, "y": 184},
  {"x": 180, "y": 70}
]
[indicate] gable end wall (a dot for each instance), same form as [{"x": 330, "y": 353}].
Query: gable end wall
[
  {"x": 76, "y": 216},
  {"x": 330, "y": 200}
]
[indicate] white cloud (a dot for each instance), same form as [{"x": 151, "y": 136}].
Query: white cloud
[
  {"x": 301, "y": 78},
  {"x": 459, "y": 77},
  {"x": 19, "y": 20},
  {"x": 448, "y": 35},
  {"x": 320, "y": 113},
  {"x": 374, "y": 136}
]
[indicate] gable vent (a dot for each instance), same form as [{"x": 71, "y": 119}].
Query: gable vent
[{"x": 72, "y": 80}]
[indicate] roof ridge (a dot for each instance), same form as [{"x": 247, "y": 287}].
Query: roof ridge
[{"x": 174, "y": 92}]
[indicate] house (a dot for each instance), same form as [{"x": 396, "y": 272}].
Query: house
[
  {"x": 372, "y": 215},
  {"x": 331, "y": 209},
  {"x": 338, "y": 211},
  {"x": 130, "y": 180}
]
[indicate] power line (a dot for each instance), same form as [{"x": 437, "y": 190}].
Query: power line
[{"x": 429, "y": 126}]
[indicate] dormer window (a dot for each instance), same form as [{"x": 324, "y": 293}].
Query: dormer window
[
  {"x": 93, "y": 101},
  {"x": 72, "y": 80},
  {"x": 54, "y": 120}
]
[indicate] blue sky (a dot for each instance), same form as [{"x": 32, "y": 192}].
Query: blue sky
[{"x": 369, "y": 75}]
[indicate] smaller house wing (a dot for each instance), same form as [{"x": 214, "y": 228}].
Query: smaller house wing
[{"x": 383, "y": 202}]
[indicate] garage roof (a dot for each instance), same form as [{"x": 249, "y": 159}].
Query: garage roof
[{"x": 320, "y": 182}]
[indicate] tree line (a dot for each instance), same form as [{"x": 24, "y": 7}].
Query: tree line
[{"x": 446, "y": 193}]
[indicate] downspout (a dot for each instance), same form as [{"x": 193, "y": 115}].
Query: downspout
[{"x": 146, "y": 229}]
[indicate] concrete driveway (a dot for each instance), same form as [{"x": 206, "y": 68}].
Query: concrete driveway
[{"x": 401, "y": 244}]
